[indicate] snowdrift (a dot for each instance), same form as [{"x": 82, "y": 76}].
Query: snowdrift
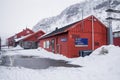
[{"x": 97, "y": 66}]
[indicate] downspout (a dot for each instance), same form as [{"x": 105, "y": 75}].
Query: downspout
[{"x": 92, "y": 33}]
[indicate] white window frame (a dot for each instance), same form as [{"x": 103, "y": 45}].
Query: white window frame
[{"x": 46, "y": 44}]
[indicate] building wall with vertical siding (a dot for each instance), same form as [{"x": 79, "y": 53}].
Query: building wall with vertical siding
[
  {"x": 81, "y": 30},
  {"x": 116, "y": 38},
  {"x": 61, "y": 44},
  {"x": 78, "y": 31}
]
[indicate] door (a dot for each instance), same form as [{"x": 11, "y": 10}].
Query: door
[
  {"x": 58, "y": 48},
  {"x": 53, "y": 45}
]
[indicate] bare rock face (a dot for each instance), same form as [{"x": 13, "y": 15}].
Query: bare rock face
[{"x": 74, "y": 13}]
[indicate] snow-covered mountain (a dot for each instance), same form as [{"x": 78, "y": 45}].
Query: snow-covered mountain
[{"x": 74, "y": 13}]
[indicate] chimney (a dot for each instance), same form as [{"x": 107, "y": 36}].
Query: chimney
[{"x": 56, "y": 28}]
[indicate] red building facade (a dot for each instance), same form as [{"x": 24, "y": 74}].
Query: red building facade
[
  {"x": 87, "y": 34},
  {"x": 31, "y": 41},
  {"x": 116, "y": 38},
  {"x": 11, "y": 40}
]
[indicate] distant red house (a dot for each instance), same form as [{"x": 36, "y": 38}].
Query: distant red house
[
  {"x": 116, "y": 38},
  {"x": 11, "y": 40},
  {"x": 30, "y": 41},
  {"x": 84, "y": 35}
]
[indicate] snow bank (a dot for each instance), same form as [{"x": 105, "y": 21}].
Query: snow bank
[
  {"x": 17, "y": 47},
  {"x": 40, "y": 52},
  {"x": 101, "y": 66},
  {"x": 96, "y": 55},
  {"x": 94, "y": 67},
  {"x": 51, "y": 55}
]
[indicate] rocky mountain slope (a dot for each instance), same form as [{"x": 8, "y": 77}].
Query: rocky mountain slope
[{"x": 74, "y": 13}]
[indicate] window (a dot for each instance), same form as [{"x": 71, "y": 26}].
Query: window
[
  {"x": 119, "y": 34},
  {"x": 46, "y": 44},
  {"x": 115, "y": 35},
  {"x": 43, "y": 44}
]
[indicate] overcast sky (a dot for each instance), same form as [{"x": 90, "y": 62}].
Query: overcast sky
[{"x": 15, "y": 15}]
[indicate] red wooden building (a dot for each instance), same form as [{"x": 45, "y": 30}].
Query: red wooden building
[
  {"x": 11, "y": 40},
  {"x": 87, "y": 34},
  {"x": 116, "y": 38},
  {"x": 30, "y": 41}
]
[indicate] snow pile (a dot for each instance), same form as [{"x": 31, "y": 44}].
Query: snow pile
[
  {"x": 40, "y": 53},
  {"x": 97, "y": 66},
  {"x": 18, "y": 47},
  {"x": 51, "y": 55},
  {"x": 113, "y": 52},
  {"x": 21, "y": 52}
]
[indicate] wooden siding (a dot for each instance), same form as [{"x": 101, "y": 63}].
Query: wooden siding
[{"x": 81, "y": 30}]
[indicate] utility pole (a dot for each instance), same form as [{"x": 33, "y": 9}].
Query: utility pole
[
  {"x": 110, "y": 35},
  {"x": 82, "y": 20},
  {"x": 110, "y": 19}
]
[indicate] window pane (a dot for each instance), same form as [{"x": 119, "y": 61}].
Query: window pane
[
  {"x": 119, "y": 34},
  {"x": 115, "y": 34}
]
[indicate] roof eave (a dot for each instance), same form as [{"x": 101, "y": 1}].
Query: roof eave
[{"x": 43, "y": 37}]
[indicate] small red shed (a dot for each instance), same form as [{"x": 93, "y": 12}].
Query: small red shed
[
  {"x": 30, "y": 41},
  {"x": 87, "y": 34},
  {"x": 10, "y": 41},
  {"x": 116, "y": 38}
]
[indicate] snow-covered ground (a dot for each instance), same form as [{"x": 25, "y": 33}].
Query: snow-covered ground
[
  {"x": 95, "y": 67},
  {"x": 40, "y": 52}
]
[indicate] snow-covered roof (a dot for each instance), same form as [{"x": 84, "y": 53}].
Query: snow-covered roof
[
  {"x": 117, "y": 30},
  {"x": 21, "y": 38}
]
